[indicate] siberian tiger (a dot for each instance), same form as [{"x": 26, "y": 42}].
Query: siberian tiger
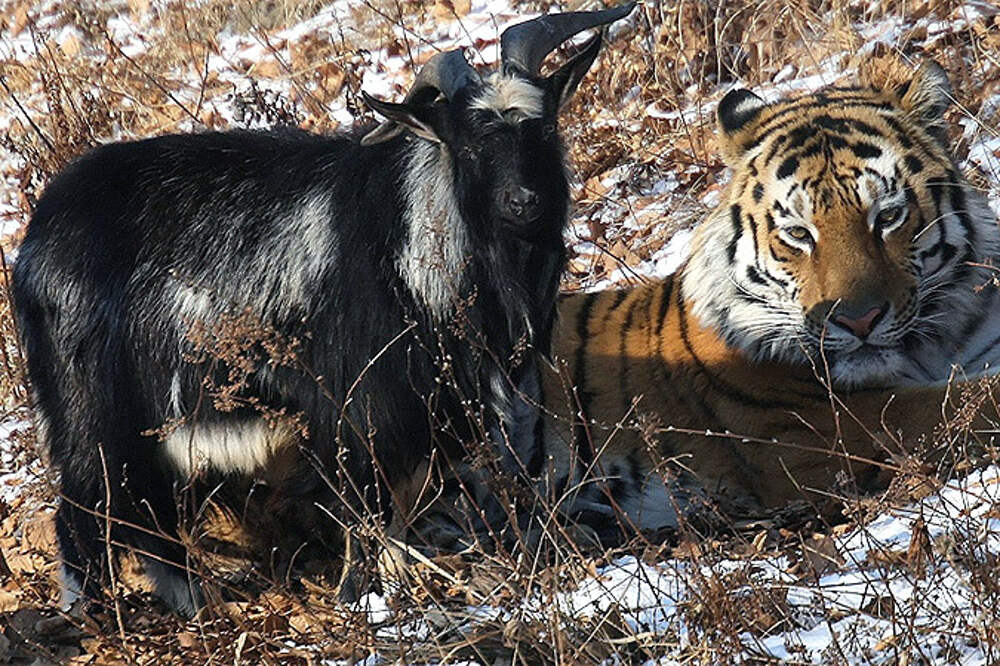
[{"x": 847, "y": 247}]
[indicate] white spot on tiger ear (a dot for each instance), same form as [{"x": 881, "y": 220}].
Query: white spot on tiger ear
[
  {"x": 510, "y": 97},
  {"x": 738, "y": 108}
]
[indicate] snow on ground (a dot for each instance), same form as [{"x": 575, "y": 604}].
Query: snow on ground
[
  {"x": 930, "y": 610},
  {"x": 19, "y": 469},
  {"x": 935, "y": 601}
]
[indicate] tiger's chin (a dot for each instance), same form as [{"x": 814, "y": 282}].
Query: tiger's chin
[{"x": 867, "y": 366}]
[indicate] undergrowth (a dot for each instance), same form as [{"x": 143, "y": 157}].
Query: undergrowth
[{"x": 68, "y": 83}]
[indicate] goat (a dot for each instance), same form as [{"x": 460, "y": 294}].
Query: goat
[{"x": 412, "y": 270}]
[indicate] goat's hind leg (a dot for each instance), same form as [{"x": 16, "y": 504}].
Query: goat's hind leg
[
  {"x": 150, "y": 511},
  {"x": 143, "y": 517},
  {"x": 81, "y": 543}
]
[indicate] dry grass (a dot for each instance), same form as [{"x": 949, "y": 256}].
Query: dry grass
[{"x": 74, "y": 85}]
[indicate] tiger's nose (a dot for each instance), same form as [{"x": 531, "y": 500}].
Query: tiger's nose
[{"x": 861, "y": 326}]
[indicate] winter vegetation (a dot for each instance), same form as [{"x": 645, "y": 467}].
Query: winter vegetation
[{"x": 907, "y": 576}]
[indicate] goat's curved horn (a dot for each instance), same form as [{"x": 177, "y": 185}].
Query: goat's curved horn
[
  {"x": 446, "y": 73},
  {"x": 524, "y": 46}
]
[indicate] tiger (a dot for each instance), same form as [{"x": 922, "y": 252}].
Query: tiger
[{"x": 811, "y": 331}]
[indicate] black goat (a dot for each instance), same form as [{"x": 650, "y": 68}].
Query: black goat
[{"x": 413, "y": 269}]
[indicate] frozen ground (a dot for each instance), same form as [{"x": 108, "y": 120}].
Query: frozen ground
[
  {"x": 869, "y": 595},
  {"x": 873, "y": 596}
]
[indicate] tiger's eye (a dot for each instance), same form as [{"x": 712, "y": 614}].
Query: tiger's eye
[
  {"x": 799, "y": 233},
  {"x": 889, "y": 218}
]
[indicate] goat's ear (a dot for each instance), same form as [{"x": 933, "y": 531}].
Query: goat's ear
[
  {"x": 739, "y": 113},
  {"x": 927, "y": 96},
  {"x": 418, "y": 118},
  {"x": 563, "y": 82}
]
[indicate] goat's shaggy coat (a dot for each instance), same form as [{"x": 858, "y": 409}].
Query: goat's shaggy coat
[{"x": 412, "y": 275}]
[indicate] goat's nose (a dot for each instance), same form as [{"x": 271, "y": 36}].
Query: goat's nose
[
  {"x": 522, "y": 203},
  {"x": 861, "y": 326}
]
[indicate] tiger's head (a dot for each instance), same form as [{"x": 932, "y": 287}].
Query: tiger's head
[{"x": 846, "y": 231}]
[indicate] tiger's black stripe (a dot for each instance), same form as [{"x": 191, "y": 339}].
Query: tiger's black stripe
[
  {"x": 771, "y": 126},
  {"x": 661, "y": 370},
  {"x": 959, "y": 207},
  {"x": 735, "y": 215},
  {"x": 866, "y": 151},
  {"x": 582, "y": 438},
  {"x": 754, "y": 276},
  {"x": 623, "y": 378},
  {"x": 757, "y": 272},
  {"x": 585, "y": 446},
  {"x": 714, "y": 381},
  {"x": 900, "y": 134},
  {"x": 664, "y": 290}
]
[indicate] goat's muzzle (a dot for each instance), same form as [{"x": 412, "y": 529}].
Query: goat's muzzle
[{"x": 519, "y": 205}]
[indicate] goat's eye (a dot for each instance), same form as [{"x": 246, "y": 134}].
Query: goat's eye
[
  {"x": 468, "y": 152},
  {"x": 548, "y": 129},
  {"x": 890, "y": 218}
]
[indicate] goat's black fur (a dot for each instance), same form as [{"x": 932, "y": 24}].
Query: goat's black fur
[{"x": 314, "y": 237}]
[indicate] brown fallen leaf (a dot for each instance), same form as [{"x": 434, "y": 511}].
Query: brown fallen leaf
[
  {"x": 822, "y": 554},
  {"x": 920, "y": 550}
]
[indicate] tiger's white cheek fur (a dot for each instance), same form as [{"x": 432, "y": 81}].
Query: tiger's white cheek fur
[
  {"x": 760, "y": 318},
  {"x": 230, "y": 447},
  {"x": 873, "y": 366}
]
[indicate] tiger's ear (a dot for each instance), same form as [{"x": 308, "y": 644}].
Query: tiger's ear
[
  {"x": 738, "y": 113},
  {"x": 927, "y": 96}
]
